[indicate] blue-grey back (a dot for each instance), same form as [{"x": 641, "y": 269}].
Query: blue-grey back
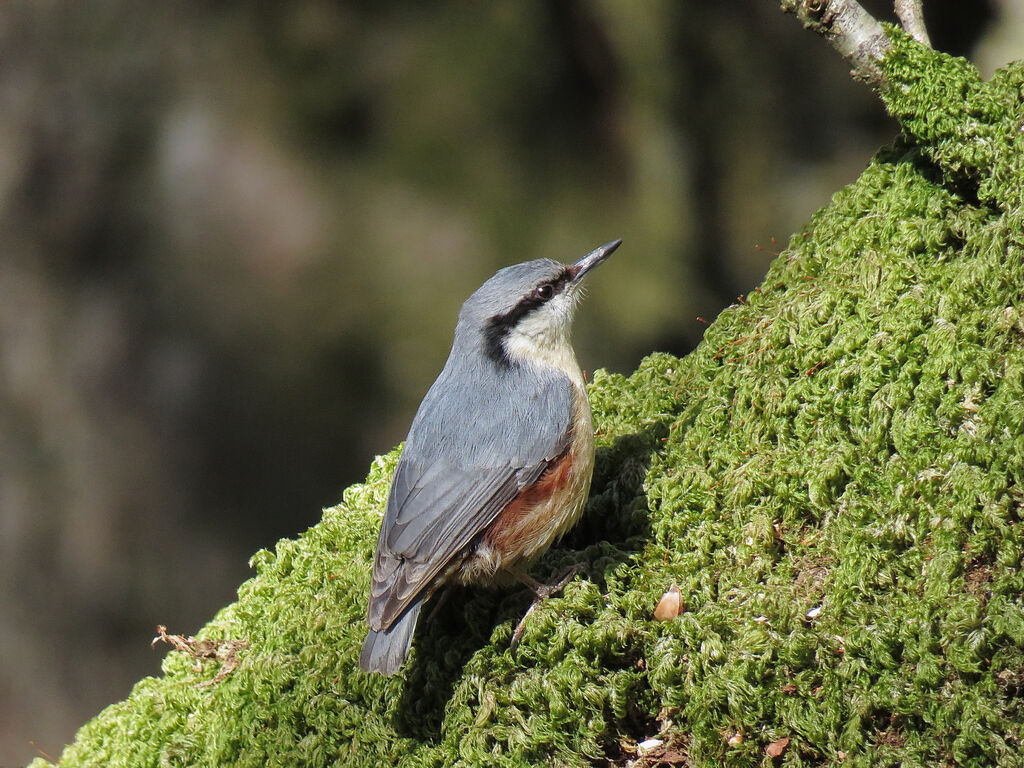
[{"x": 480, "y": 413}]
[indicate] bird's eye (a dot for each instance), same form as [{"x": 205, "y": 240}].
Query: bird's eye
[{"x": 545, "y": 291}]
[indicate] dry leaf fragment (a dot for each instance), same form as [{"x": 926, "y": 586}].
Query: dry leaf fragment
[
  {"x": 226, "y": 652},
  {"x": 777, "y": 747},
  {"x": 670, "y": 605},
  {"x": 736, "y": 738}
]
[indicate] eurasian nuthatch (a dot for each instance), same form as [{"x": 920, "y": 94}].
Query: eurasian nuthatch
[{"x": 498, "y": 460}]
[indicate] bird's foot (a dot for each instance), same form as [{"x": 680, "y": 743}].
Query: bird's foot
[
  {"x": 438, "y": 604},
  {"x": 544, "y": 591},
  {"x": 541, "y": 592}
]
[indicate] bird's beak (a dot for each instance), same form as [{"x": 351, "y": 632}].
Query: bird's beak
[{"x": 592, "y": 259}]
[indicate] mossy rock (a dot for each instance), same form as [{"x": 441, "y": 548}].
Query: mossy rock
[{"x": 834, "y": 479}]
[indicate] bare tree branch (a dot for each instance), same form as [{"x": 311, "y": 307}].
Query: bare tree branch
[
  {"x": 851, "y": 30},
  {"x": 911, "y": 16}
]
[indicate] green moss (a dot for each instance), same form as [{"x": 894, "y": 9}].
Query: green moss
[
  {"x": 973, "y": 131},
  {"x": 834, "y": 479}
]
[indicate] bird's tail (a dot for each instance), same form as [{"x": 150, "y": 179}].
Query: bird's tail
[{"x": 385, "y": 650}]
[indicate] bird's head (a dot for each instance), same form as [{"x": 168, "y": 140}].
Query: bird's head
[{"x": 525, "y": 312}]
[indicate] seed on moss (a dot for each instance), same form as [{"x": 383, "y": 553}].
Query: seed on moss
[{"x": 670, "y": 605}]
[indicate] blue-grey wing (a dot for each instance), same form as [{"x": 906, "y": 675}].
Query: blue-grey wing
[{"x": 467, "y": 456}]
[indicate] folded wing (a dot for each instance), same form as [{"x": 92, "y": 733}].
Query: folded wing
[{"x": 467, "y": 456}]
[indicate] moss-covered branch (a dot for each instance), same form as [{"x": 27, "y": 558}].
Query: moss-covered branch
[{"x": 834, "y": 479}]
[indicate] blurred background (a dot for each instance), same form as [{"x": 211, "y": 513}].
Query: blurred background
[{"x": 234, "y": 237}]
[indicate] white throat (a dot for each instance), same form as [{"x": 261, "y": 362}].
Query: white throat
[{"x": 543, "y": 337}]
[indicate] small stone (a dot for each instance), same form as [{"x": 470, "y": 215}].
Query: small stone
[{"x": 647, "y": 745}]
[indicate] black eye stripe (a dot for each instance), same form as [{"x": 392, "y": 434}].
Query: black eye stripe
[
  {"x": 498, "y": 326},
  {"x": 551, "y": 288}
]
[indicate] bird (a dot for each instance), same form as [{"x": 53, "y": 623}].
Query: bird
[{"x": 498, "y": 461}]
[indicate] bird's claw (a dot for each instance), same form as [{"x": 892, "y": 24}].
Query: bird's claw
[{"x": 541, "y": 593}]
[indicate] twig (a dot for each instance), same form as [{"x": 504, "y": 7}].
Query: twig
[
  {"x": 851, "y": 30},
  {"x": 855, "y": 33},
  {"x": 911, "y": 16}
]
